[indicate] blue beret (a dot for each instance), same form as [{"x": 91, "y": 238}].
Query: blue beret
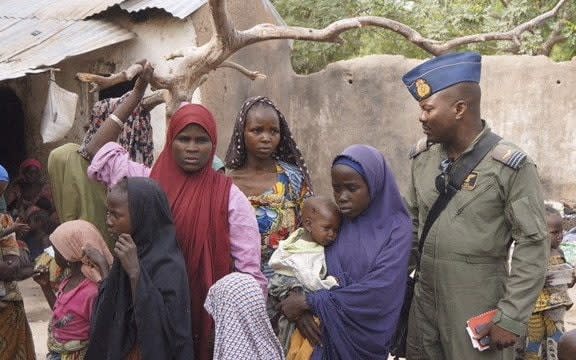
[
  {"x": 442, "y": 72},
  {"x": 4, "y": 174}
]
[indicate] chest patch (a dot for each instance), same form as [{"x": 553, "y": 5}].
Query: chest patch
[{"x": 471, "y": 181}]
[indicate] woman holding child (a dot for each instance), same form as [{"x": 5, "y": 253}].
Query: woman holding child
[
  {"x": 265, "y": 163},
  {"x": 369, "y": 258}
]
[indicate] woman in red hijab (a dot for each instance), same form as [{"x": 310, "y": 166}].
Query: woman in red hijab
[
  {"x": 29, "y": 192},
  {"x": 215, "y": 224}
]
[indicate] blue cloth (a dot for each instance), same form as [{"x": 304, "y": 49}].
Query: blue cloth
[
  {"x": 344, "y": 160},
  {"x": 370, "y": 259},
  {"x": 4, "y": 177},
  {"x": 442, "y": 72},
  {"x": 217, "y": 163}
]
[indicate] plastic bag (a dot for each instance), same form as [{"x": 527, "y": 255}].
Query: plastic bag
[{"x": 59, "y": 112}]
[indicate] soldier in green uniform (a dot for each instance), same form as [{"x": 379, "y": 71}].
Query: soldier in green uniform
[{"x": 463, "y": 267}]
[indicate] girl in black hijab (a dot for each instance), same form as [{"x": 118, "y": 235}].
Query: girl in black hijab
[{"x": 143, "y": 310}]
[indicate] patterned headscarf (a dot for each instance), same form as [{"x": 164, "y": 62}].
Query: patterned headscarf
[
  {"x": 243, "y": 330},
  {"x": 70, "y": 239},
  {"x": 136, "y": 136},
  {"x": 287, "y": 150}
]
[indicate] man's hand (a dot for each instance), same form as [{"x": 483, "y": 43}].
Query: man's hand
[{"x": 499, "y": 337}]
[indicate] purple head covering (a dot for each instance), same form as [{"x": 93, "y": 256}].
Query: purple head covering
[{"x": 359, "y": 317}]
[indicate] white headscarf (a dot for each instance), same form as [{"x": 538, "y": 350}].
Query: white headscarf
[{"x": 243, "y": 330}]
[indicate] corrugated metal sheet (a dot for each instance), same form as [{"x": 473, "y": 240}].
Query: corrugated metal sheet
[
  {"x": 81, "y": 9},
  {"x": 30, "y": 44},
  {"x": 178, "y": 8},
  {"x": 39, "y": 33},
  {"x": 54, "y": 9}
]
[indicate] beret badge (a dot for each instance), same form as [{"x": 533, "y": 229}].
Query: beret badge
[{"x": 423, "y": 88}]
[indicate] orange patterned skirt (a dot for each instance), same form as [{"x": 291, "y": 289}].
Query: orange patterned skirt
[{"x": 15, "y": 336}]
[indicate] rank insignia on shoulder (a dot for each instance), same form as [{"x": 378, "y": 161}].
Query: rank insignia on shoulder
[
  {"x": 421, "y": 146},
  {"x": 470, "y": 181},
  {"x": 509, "y": 156}
]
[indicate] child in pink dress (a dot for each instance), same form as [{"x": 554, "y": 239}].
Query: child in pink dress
[{"x": 79, "y": 246}]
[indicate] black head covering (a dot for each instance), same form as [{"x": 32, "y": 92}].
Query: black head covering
[{"x": 158, "y": 322}]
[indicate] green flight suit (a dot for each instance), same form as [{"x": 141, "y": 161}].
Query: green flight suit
[{"x": 463, "y": 267}]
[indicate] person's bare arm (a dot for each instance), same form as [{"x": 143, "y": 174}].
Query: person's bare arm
[
  {"x": 43, "y": 279},
  {"x": 18, "y": 226},
  {"x": 110, "y": 130}
]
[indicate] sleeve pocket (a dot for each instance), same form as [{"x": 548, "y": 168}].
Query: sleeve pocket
[{"x": 526, "y": 216}]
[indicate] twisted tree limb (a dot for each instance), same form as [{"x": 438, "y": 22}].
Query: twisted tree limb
[
  {"x": 554, "y": 38},
  {"x": 158, "y": 97},
  {"x": 98, "y": 82},
  {"x": 252, "y": 75},
  {"x": 196, "y": 62},
  {"x": 332, "y": 32}
]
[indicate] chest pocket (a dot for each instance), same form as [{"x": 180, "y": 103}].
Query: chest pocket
[{"x": 483, "y": 201}]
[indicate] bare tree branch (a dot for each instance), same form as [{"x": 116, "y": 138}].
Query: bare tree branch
[
  {"x": 194, "y": 52},
  {"x": 158, "y": 97},
  {"x": 554, "y": 38},
  {"x": 98, "y": 82},
  {"x": 332, "y": 32},
  {"x": 512, "y": 35},
  {"x": 224, "y": 30},
  {"x": 197, "y": 62},
  {"x": 162, "y": 82},
  {"x": 252, "y": 75},
  {"x": 182, "y": 92}
]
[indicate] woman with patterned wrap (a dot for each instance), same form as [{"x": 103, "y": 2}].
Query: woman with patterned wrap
[{"x": 265, "y": 163}]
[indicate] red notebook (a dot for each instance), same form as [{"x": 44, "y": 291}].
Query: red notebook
[{"x": 475, "y": 324}]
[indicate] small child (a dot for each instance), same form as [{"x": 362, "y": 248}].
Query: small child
[
  {"x": 69, "y": 328},
  {"x": 546, "y": 325},
  {"x": 242, "y": 327},
  {"x": 299, "y": 261},
  {"x": 41, "y": 226},
  {"x": 11, "y": 260}
]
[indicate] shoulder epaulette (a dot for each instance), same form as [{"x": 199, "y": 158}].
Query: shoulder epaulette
[
  {"x": 421, "y": 146},
  {"x": 509, "y": 156}
]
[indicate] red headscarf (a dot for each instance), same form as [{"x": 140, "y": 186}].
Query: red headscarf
[
  {"x": 199, "y": 203},
  {"x": 30, "y": 163}
]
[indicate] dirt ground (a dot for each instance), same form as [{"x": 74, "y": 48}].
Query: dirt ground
[{"x": 39, "y": 313}]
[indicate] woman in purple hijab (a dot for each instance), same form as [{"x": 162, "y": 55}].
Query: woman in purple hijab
[{"x": 369, "y": 258}]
